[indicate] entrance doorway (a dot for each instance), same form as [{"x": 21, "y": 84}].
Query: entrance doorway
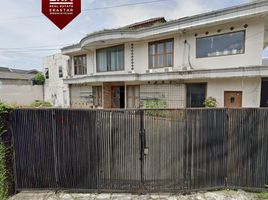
[
  {"x": 264, "y": 93},
  {"x": 118, "y": 96},
  {"x": 233, "y": 99}
]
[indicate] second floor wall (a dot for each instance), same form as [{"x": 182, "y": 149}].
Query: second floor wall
[{"x": 237, "y": 44}]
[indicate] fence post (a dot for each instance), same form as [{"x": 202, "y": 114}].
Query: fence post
[
  {"x": 227, "y": 126},
  {"x": 142, "y": 146},
  {"x": 55, "y": 147}
]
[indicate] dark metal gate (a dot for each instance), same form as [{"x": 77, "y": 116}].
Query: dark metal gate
[{"x": 140, "y": 150}]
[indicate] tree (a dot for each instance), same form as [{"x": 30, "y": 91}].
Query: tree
[{"x": 39, "y": 78}]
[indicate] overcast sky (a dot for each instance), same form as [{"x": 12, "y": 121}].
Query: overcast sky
[{"x": 22, "y": 24}]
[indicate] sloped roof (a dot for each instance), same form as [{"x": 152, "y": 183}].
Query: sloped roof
[
  {"x": 16, "y": 74},
  {"x": 145, "y": 23}
]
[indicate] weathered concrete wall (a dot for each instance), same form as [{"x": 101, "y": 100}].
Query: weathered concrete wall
[
  {"x": 56, "y": 91},
  {"x": 80, "y": 96},
  {"x": 20, "y": 94}
]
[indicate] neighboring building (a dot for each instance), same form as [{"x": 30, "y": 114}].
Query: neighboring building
[
  {"x": 17, "y": 87},
  {"x": 173, "y": 64},
  {"x": 56, "y": 91}
]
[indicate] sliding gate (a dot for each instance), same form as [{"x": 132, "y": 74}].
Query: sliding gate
[{"x": 139, "y": 150}]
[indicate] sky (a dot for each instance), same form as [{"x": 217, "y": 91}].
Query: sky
[{"x": 27, "y": 36}]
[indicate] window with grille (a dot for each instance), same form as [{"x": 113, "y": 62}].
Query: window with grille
[
  {"x": 80, "y": 65},
  {"x": 161, "y": 53}
]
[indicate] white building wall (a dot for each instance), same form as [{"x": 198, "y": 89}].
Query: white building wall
[
  {"x": 251, "y": 88},
  {"x": 20, "y": 95},
  {"x": 254, "y": 42},
  {"x": 55, "y": 90}
]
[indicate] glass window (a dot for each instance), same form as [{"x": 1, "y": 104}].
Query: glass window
[
  {"x": 161, "y": 54},
  {"x": 60, "y": 72},
  {"x": 196, "y": 95},
  {"x": 218, "y": 45},
  {"x": 97, "y": 96},
  {"x": 47, "y": 73},
  {"x": 110, "y": 59},
  {"x": 80, "y": 65},
  {"x": 133, "y": 96}
]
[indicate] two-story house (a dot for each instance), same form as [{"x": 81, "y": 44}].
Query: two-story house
[{"x": 174, "y": 64}]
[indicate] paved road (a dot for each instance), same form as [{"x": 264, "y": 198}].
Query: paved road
[{"x": 221, "y": 195}]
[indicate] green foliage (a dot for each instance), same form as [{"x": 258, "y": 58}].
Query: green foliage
[
  {"x": 263, "y": 195},
  {"x": 4, "y": 175},
  {"x": 39, "y": 78},
  {"x": 155, "y": 104},
  {"x": 210, "y": 102},
  {"x": 41, "y": 104}
]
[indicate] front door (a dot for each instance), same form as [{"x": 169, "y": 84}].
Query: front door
[
  {"x": 233, "y": 99},
  {"x": 118, "y": 97}
]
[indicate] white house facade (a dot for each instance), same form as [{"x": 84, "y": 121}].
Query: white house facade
[
  {"x": 56, "y": 69},
  {"x": 174, "y": 64}
]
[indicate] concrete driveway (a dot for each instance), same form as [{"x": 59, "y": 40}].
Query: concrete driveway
[{"x": 219, "y": 195}]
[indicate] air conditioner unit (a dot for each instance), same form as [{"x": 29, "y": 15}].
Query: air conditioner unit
[
  {"x": 132, "y": 72},
  {"x": 168, "y": 69}
]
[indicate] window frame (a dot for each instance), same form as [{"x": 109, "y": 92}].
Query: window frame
[
  {"x": 99, "y": 96},
  {"x": 197, "y": 83},
  {"x": 244, "y": 44},
  {"x": 107, "y": 48},
  {"x": 85, "y": 67},
  {"x": 164, "y": 53},
  {"x": 132, "y": 97},
  {"x": 60, "y": 72},
  {"x": 47, "y": 73}
]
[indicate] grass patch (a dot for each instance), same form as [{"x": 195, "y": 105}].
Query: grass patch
[{"x": 262, "y": 195}]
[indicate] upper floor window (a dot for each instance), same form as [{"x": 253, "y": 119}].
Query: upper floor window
[
  {"x": 110, "y": 59},
  {"x": 80, "y": 65},
  {"x": 60, "y": 72},
  {"x": 161, "y": 53},
  {"x": 47, "y": 73},
  {"x": 219, "y": 45}
]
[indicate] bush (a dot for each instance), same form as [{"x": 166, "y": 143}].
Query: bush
[
  {"x": 155, "y": 104},
  {"x": 41, "y": 104},
  {"x": 6, "y": 178},
  {"x": 39, "y": 78},
  {"x": 210, "y": 102}
]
